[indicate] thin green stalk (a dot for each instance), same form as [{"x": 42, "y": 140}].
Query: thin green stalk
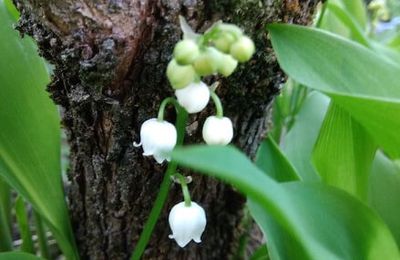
[
  {"x": 41, "y": 234},
  {"x": 163, "y": 192},
  {"x": 23, "y": 224},
  {"x": 185, "y": 190},
  {"x": 5, "y": 217},
  {"x": 164, "y": 103},
  {"x": 218, "y": 105},
  {"x": 321, "y": 15}
]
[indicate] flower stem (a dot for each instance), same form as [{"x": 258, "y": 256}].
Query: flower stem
[
  {"x": 218, "y": 104},
  {"x": 163, "y": 105},
  {"x": 185, "y": 190},
  {"x": 163, "y": 192}
]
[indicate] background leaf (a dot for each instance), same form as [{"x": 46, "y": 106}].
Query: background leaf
[
  {"x": 24, "y": 226},
  {"x": 299, "y": 142},
  {"x": 5, "y": 217},
  {"x": 322, "y": 61},
  {"x": 344, "y": 152},
  {"x": 384, "y": 193},
  {"x": 260, "y": 254},
  {"x": 18, "y": 256},
  {"x": 273, "y": 162},
  {"x": 30, "y": 132},
  {"x": 299, "y": 209}
]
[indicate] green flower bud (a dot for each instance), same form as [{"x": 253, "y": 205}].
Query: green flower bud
[
  {"x": 208, "y": 62},
  {"x": 224, "y": 42},
  {"x": 186, "y": 51},
  {"x": 180, "y": 75},
  {"x": 243, "y": 49},
  {"x": 227, "y": 65},
  {"x": 227, "y": 27}
]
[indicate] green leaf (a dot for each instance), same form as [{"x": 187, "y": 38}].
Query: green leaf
[
  {"x": 384, "y": 193},
  {"x": 41, "y": 235},
  {"x": 357, "y": 9},
  {"x": 18, "y": 256},
  {"x": 281, "y": 242},
  {"x": 344, "y": 152},
  {"x": 299, "y": 142},
  {"x": 356, "y": 32},
  {"x": 29, "y": 132},
  {"x": 5, "y": 217},
  {"x": 359, "y": 80},
  {"x": 23, "y": 225},
  {"x": 322, "y": 222},
  {"x": 272, "y": 161},
  {"x": 260, "y": 254}
]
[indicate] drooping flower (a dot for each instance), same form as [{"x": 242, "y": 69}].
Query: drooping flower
[
  {"x": 158, "y": 139},
  {"x": 187, "y": 223},
  {"x": 194, "y": 97},
  {"x": 217, "y": 130}
]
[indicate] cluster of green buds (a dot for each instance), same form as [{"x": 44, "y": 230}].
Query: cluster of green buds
[{"x": 218, "y": 50}]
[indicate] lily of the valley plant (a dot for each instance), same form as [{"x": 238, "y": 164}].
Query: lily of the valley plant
[{"x": 219, "y": 50}]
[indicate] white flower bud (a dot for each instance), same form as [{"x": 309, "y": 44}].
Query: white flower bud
[
  {"x": 158, "y": 139},
  {"x": 217, "y": 130},
  {"x": 187, "y": 223},
  {"x": 194, "y": 97}
]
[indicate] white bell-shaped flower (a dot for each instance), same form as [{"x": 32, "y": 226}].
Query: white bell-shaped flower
[
  {"x": 193, "y": 97},
  {"x": 217, "y": 130},
  {"x": 158, "y": 139},
  {"x": 187, "y": 223}
]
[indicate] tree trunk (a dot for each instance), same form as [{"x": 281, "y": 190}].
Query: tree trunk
[{"x": 109, "y": 77}]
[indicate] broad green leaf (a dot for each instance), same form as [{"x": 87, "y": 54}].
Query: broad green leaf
[
  {"x": 299, "y": 142},
  {"x": 280, "y": 241},
  {"x": 29, "y": 132},
  {"x": 24, "y": 226},
  {"x": 5, "y": 217},
  {"x": 344, "y": 152},
  {"x": 381, "y": 120},
  {"x": 270, "y": 159},
  {"x": 323, "y": 222},
  {"x": 260, "y": 254},
  {"x": 359, "y": 80},
  {"x": 18, "y": 256},
  {"x": 273, "y": 162},
  {"x": 386, "y": 52},
  {"x": 384, "y": 193}
]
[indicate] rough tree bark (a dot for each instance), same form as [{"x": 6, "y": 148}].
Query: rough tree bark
[{"x": 109, "y": 77}]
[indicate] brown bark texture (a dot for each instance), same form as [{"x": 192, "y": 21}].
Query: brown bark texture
[{"x": 109, "y": 60}]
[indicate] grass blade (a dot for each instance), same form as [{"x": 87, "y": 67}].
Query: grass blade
[
  {"x": 41, "y": 234},
  {"x": 5, "y": 217},
  {"x": 24, "y": 227}
]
